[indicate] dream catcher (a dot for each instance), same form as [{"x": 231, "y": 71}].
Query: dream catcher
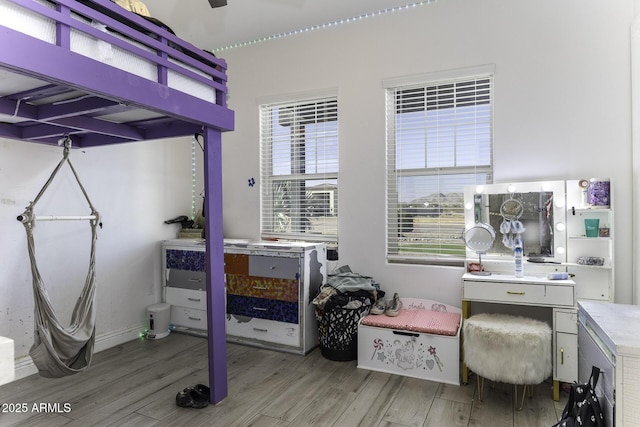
[{"x": 511, "y": 227}]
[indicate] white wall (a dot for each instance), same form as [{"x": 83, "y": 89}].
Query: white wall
[
  {"x": 562, "y": 111},
  {"x": 135, "y": 187}
]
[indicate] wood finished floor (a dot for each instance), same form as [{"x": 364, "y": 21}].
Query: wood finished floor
[{"x": 135, "y": 384}]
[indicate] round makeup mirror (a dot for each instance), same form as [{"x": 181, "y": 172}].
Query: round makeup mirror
[{"x": 479, "y": 239}]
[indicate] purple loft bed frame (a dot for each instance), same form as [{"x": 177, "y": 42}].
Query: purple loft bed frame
[{"x": 92, "y": 89}]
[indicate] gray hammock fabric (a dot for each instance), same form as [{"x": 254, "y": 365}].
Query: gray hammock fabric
[{"x": 57, "y": 350}]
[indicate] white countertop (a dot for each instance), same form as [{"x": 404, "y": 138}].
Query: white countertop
[{"x": 616, "y": 324}]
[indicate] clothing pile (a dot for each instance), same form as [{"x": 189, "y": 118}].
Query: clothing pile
[
  {"x": 340, "y": 304},
  {"x": 348, "y": 290}
]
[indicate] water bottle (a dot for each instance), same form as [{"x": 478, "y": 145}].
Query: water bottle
[{"x": 517, "y": 254}]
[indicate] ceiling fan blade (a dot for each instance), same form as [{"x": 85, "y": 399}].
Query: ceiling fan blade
[{"x": 217, "y": 3}]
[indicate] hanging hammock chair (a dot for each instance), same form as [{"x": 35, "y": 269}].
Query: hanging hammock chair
[{"x": 57, "y": 350}]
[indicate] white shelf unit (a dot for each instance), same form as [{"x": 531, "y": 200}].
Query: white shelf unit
[{"x": 595, "y": 282}]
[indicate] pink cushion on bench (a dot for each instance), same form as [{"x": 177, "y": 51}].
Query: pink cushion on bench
[
  {"x": 436, "y": 322},
  {"x": 427, "y": 321},
  {"x": 404, "y": 318}
]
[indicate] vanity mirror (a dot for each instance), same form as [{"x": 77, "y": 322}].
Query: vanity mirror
[
  {"x": 479, "y": 238},
  {"x": 531, "y": 214}
]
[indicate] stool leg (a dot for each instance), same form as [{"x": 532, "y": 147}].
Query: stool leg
[
  {"x": 480, "y": 384},
  {"x": 515, "y": 396}
]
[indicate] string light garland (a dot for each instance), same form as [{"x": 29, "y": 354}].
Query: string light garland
[
  {"x": 327, "y": 25},
  {"x": 193, "y": 177}
]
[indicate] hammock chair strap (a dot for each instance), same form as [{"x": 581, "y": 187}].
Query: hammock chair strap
[{"x": 58, "y": 350}]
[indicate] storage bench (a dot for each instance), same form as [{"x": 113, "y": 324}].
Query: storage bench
[{"x": 423, "y": 341}]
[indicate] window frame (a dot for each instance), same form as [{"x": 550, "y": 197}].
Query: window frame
[
  {"x": 269, "y": 178},
  {"x": 394, "y": 224}
]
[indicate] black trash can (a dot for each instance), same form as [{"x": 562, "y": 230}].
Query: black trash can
[{"x": 338, "y": 330}]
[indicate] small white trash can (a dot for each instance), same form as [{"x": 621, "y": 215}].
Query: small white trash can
[{"x": 158, "y": 320}]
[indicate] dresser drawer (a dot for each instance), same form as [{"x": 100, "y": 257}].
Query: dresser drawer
[
  {"x": 276, "y": 267},
  {"x": 186, "y": 279},
  {"x": 263, "y": 287},
  {"x": 193, "y": 260},
  {"x": 189, "y": 317},
  {"x": 261, "y": 308},
  {"x": 236, "y": 264},
  {"x": 265, "y": 330},
  {"x": 186, "y": 298},
  {"x": 519, "y": 293}
]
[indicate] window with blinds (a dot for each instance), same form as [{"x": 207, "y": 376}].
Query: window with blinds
[
  {"x": 299, "y": 169},
  {"x": 439, "y": 139}
]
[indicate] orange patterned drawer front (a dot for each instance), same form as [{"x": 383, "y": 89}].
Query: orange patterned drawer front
[
  {"x": 263, "y": 287},
  {"x": 236, "y": 264}
]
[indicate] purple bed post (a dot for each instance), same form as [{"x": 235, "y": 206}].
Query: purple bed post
[{"x": 215, "y": 264}]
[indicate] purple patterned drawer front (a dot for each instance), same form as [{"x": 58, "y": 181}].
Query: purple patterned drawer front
[
  {"x": 186, "y": 260},
  {"x": 280, "y": 311}
]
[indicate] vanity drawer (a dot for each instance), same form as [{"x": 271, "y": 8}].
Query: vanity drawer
[
  {"x": 519, "y": 293},
  {"x": 189, "y": 317},
  {"x": 186, "y": 279},
  {"x": 263, "y": 287},
  {"x": 275, "y": 267},
  {"x": 186, "y": 298},
  {"x": 566, "y": 321}
]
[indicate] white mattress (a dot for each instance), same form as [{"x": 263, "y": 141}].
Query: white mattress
[{"x": 25, "y": 21}]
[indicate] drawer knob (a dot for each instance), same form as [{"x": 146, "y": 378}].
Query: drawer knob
[
  {"x": 515, "y": 293},
  {"x": 562, "y": 356},
  {"x": 194, "y": 299},
  {"x": 260, "y": 330},
  {"x": 259, "y": 309},
  {"x": 197, "y": 319}
]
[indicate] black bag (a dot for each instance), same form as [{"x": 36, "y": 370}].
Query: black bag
[{"x": 583, "y": 407}]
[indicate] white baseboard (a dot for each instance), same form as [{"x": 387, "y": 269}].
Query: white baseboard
[{"x": 24, "y": 366}]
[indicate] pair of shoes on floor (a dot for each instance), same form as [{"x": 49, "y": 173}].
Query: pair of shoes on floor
[
  {"x": 194, "y": 397},
  {"x": 390, "y": 309}
]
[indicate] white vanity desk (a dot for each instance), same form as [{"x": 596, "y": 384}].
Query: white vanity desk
[{"x": 558, "y": 295}]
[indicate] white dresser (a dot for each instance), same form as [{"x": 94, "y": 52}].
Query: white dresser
[
  {"x": 608, "y": 338},
  {"x": 183, "y": 264},
  {"x": 269, "y": 288}
]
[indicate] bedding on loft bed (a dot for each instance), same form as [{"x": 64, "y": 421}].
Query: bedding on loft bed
[
  {"x": 179, "y": 89},
  {"x": 97, "y": 74}
]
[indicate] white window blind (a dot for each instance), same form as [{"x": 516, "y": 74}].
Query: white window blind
[
  {"x": 439, "y": 139},
  {"x": 299, "y": 169}
]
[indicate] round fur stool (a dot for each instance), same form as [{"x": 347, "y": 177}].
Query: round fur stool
[{"x": 510, "y": 349}]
